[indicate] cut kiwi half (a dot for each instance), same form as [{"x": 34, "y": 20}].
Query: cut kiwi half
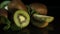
[
  {"x": 46, "y": 18},
  {"x": 21, "y": 18},
  {"x": 41, "y": 21}
]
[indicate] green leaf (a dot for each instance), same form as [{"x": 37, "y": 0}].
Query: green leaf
[
  {"x": 4, "y": 3},
  {"x": 14, "y": 27},
  {"x": 5, "y": 20},
  {"x": 28, "y": 7}
]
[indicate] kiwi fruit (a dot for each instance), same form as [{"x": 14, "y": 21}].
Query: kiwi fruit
[
  {"x": 4, "y": 5},
  {"x": 16, "y": 4},
  {"x": 39, "y": 8},
  {"x": 47, "y": 18},
  {"x": 41, "y": 20},
  {"x": 21, "y": 18},
  {"x": 3, "y": 12}
]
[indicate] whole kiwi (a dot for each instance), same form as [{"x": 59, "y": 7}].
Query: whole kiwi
[
  {"x": 16, "y": 4},
  {"x": 39, "y": 8}
]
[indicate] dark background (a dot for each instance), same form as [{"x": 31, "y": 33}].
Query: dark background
[{"x": 53, "y": 10}]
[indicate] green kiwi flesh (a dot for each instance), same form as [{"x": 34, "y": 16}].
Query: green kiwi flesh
[
  {"x": 46, "y": 18},
  {"x": 21, "y": 18}
]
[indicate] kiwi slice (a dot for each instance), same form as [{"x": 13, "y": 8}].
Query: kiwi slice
[
  {"x": 21, "y": 18},
  {"x": 41, "y": 20},
  {"x": 4, "y": 4}
]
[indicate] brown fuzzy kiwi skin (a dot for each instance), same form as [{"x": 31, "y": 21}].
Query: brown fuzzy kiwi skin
[
  {"x": 44, "y": 25},
  {"x": 16, "y": 4},
  {"x": 39, "y": 8},
  {"x": 40, "y": 25},
  {"x": 4, "y": 13}
]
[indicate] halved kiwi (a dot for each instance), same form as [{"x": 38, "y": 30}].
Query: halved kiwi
[
  {"x": 41, "y": 20},
  {"x": 4, "y": 4},
  {"x": 46, "y": 18},
  {"x": 21, "y": 18}
]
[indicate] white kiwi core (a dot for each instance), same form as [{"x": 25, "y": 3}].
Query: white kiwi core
[{"x": 22, "y": 18}]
